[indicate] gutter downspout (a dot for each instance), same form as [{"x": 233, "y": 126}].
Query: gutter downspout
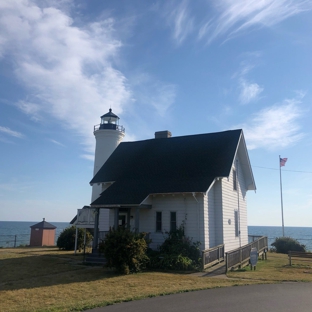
[
  {"x": 96, "y": 230},
  {"x": 198, "y": 214},
  {"x": 238, "y": 205}
]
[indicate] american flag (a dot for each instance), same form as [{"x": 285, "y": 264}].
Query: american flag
[{"x": 283, "y": 161}]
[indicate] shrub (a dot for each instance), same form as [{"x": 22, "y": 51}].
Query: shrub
[
  {"x": 125, "y": 250},
  {"x": 66, "y": 240},
  {"x": 178, "y": 252},
  {"x": 285, "y": 244}
]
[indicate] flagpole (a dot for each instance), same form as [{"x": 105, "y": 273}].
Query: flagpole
[{"x": 279, "y": 160}]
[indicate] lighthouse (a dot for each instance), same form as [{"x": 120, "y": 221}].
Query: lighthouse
[{"x": 108, "y": 134}]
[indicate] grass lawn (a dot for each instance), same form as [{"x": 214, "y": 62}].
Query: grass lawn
[
  {"x": 46, "y": 279},
  {"x": 277, "y": 269}
]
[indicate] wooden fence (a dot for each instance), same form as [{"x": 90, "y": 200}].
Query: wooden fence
[{"x": 240, "y": 257}]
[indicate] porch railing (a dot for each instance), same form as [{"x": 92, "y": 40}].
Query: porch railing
[
  {"x": 239, "y": 257},
  {"x": 212, "y": 256}
]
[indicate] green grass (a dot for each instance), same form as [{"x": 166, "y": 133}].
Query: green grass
[
  {"x": 277, "y": 269},
  {"x": 46, "y": 279}
]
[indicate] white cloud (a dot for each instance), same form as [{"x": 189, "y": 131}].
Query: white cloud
[
  {"x": 180, "y": 20},
  {"x": 274, "y": 127},
  {"x": 30, "y": 109},
  {"x": 153, "y": 93},
  {"x": 228, "y": 18},
  {"x": 236, "y": 16},
  {"x": 67, "y": 69},
  {"x": 249, "y": 91},
  {"x": 57, "y": 143},
  {"x": 11, "y": 132},
  {"x": 164, "y": 98},
  {"x": 88, "y": 157}
]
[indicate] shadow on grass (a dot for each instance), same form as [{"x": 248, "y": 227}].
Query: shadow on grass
[{"x": 48, "y": 270}]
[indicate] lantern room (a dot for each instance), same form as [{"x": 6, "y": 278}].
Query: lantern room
[{"x": 109, "y": 121}]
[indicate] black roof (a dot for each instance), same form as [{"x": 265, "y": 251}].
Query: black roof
[
  {"x": 110, "y": 114},
  {"x": 170, "y": 165},
  {"x": 44, "y": 225}
]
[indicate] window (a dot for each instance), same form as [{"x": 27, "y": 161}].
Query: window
[
  {"x": 158, "y": 221},
  {"x": 173, "y": 221},
  {"x": 236, "y": 223},
  {"x": 234, "y": 180}
]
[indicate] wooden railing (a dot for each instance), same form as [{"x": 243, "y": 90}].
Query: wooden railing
[
  {"x": 240, "y": 257},
  {"x": 212, "y": 256}
]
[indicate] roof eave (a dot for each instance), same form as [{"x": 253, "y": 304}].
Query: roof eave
[{"x": 114, "y": 205}]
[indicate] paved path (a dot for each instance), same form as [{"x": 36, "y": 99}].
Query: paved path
[{"x": 286, "y": 297}]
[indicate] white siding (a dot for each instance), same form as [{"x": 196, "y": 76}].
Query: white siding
[
  {"x": 111, "y": 217},
  {"x": 206, "y": 222},
  {"x": 234, "y": 200},
  {"x": 209, "y": 218},
  {"x": 209, "y": 205},
  {"x": 217, "y": 204},
  {"x": 104, "y": 220},
  {"x": 187, "y": 209}
]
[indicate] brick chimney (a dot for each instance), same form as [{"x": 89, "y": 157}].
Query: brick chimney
[{"x": 162, "y": 134}]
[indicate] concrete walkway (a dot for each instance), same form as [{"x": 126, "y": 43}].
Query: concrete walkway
[{"x": 217, "y": 270}]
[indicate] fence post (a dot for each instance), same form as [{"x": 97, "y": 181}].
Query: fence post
[
  {"x": 240, "y": 257},
  {"x": 289, "y": 257},
  {"x": 203, "y": 260},
  {"x": 226, "y": 262}
]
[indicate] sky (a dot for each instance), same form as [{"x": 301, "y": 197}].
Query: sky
[{"x": 189, "y": 67}]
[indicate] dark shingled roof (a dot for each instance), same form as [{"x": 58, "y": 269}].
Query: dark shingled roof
[
  {"x": 110, "y": 114},
  {"x": 44, "y": 225},
  {"x": 170, "y": 165}
]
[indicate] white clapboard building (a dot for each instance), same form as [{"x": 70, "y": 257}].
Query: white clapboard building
[{"x": 155, "y": 185}]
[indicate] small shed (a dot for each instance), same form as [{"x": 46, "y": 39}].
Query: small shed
[{"x": 42, "y": 234}]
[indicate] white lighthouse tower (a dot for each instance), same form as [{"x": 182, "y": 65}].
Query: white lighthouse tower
[{"x": 108, "y": 134}]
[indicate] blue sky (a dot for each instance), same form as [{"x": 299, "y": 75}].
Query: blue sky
[{"x": 185, "y": 66}]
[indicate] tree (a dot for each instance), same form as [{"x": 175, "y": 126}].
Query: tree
[
  {"x": 66, "y": 240},
  {"x": 125, "y": 250},
  {"x": 285, "y": 244},
  {"x": 178, "y": 252}
]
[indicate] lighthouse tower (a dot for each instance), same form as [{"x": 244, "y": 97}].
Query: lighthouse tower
[{"x": 108, "y": 134}]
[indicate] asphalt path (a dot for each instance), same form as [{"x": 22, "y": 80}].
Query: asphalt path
[{"x": 254, "y": 298}]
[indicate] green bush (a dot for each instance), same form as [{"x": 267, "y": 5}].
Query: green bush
[
  {"x": 285, "y": 244},
  {"x": 66, "y": 240},
  {"x": 125, "y": 250},
  {"x": 178, "y": 252}
]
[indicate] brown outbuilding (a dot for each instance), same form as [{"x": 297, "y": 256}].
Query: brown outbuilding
[{"x": 42, "y": 234}]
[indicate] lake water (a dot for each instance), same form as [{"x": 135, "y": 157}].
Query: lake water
[
  {"x": 9, "y": 229},
  {"x": 302, "y": 234}
]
